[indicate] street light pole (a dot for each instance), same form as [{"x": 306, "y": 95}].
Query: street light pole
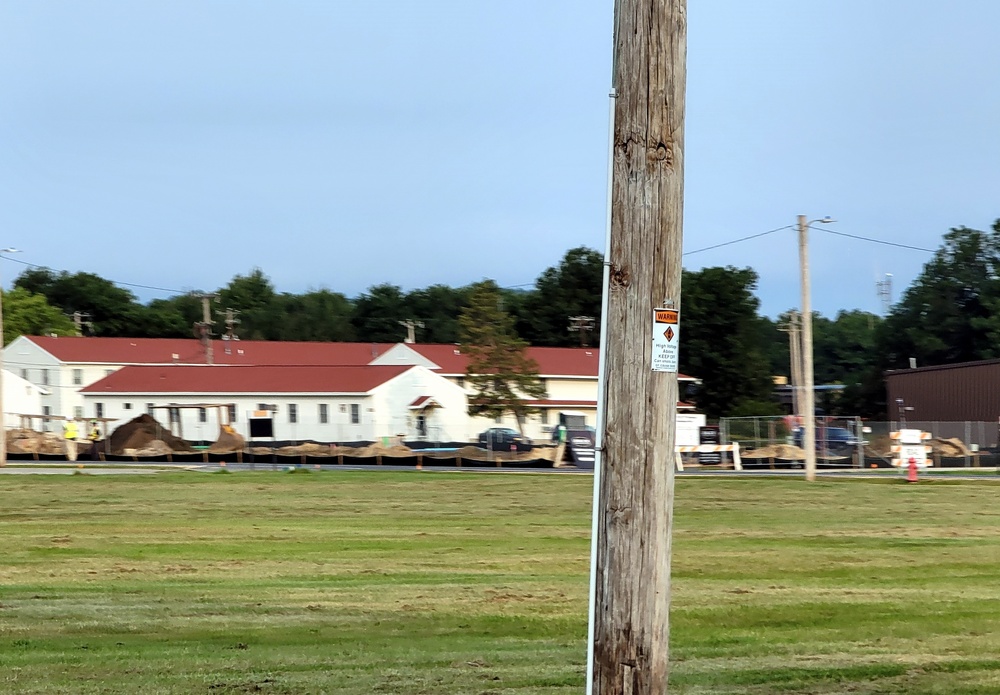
[
  {"x": 3, "y": 419},
  {"x": 808, "y": 399}
]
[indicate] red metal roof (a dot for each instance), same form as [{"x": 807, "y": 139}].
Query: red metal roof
[
  {"x": 190, "y": 351},
  {"x": 552, "y": 361},
  {"x": 242, "y": 379}
]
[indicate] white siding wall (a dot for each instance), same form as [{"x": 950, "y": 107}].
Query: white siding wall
[
  {"x": 22, "y": 354},
  {"x": 385, "y": 412},
  {"x": 392, "y": 399}
]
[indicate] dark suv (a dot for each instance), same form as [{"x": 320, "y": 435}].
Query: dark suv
[
  {"x": 504, "y": 439},
  {"x": 833, "y": 439}
]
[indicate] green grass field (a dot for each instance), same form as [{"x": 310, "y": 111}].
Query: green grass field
[{"x": 418, "y": 582}]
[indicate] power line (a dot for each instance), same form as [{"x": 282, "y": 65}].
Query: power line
[
  {"x": 113, "y": 282},
  {"x": 874, "y": 241},
  {"x": 737, "y": 241}
]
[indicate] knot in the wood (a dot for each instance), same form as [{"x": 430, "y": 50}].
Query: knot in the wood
[
  {"x": 619, "y": 276},
  {"x": 660, "y": 153}
]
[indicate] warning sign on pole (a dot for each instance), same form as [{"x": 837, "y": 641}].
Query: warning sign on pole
[{"x": 666, "y": 339}]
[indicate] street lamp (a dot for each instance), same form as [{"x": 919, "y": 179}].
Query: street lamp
[
  {"x": 808, "y": 399},
  {"x": 3, "y": 419}
]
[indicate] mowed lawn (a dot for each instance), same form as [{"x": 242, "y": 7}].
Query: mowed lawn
[{"x": 421, "y": 582}]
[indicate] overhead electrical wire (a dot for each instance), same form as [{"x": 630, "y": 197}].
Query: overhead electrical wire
[
  {"x": 869, "y": 239},
  {"x": 113, "y": 282},
  {"x": 737, "y": 241}
]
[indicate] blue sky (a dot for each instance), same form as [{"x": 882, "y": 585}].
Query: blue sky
[{"x": 176, "y": 144}]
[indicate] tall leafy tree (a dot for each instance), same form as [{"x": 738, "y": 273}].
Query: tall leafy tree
[
  {"x": 254, "y": 296},
  {"x": 720, "y": 340},
  {"x": 113, "y": 311},
  {"x": 571, "y": 289},
  {"x": 378, "y": 313},
  {"x": 951, "y": 312},
  {"x": 438, "y": 308},
  {"x": 316, "y": 315},
  {"x": 503, "y": 378},
  {"x": 25, "y": 313}
]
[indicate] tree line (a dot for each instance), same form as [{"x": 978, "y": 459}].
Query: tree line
[{"x": 950, "y": 313}]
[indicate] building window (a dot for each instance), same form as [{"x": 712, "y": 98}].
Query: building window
[
  {"x": 128, "y": 406},
  {"x": 543, "y": 415},
  {"x": 293, "y": 413},
  {"x": 267, "y": 406},
  {"x": 498, "y": 419},
  {"x": 45, "y": 377},
  {"x": 174, "y": 414},
  {"x": 232, "y": 412},
  {"x": 460, "y": 381},
  {"x": 202, "y": 415},
  {"x": 324, "y": 414},
  {"x": 149, "y": 408},
  {"x": 78, "y": 412},
  {"x": 77, "y": 377},
  {"x": 99, "y": 409},
  {"x": 343, "y": 408},
  {"x": 422, "y": 425},
  {"x": 24, "y": 374},
  {"x": 109, "y": 372},
  {"x": 355, "y": 414}
]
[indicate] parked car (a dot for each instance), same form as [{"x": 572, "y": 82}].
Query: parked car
[
  {"x": 504, "y": 439},
  {"x": 834, "y": 439}
]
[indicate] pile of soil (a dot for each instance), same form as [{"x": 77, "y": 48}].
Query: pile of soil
[
  {"x": 24, "y": 441},
  {"x": 139, "y": 432},
  {"x": 304, "y": 449},
  {"x": 229, "y": 441},
  {"x": 157, "y": 447},
  {"x": 375, "y": 450},
  {"x": 951, "y": 448},
  {"x": 785, "y": 452}
]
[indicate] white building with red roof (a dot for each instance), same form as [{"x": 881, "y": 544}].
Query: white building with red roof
[
  {"x": 321, "y": 403},
  {"x": 76, "y": 375}
]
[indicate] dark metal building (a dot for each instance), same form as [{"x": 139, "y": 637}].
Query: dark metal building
[{"x": 954, "y": 392}]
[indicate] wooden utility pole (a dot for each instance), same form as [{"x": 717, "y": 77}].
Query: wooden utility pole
[
  {"x": 795, "y": 359},
  {"x": 204, "y": 327},
  {"x": 631, "y": 582},
  {"x": 808, "y": 400}
]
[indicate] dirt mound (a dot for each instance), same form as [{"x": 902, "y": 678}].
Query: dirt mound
[
  {"x": 306, "y": 449},
  {"x": 951, "y": 448},
  {"x": 229, "y": 441},
  {"x": 157, "y": 447},
  {"x": 785, "y": 452},
  {"x": 378, "y": 450},
  {"x": 23, "y": 441},
  {"x": 139, "y": 432}
]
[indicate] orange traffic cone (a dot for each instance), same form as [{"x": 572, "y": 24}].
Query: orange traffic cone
[{"x": 911, "y": 471}]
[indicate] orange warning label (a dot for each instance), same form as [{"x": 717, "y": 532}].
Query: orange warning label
[{"x": 665, "y": 316}]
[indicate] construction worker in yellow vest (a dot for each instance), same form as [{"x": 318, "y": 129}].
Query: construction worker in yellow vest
[{"x": 70, "y": 433}]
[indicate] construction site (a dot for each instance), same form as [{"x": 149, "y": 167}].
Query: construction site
[{"x": 145, "y": 439}]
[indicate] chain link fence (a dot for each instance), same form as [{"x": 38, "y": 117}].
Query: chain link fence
[{"x": 853, "y": 442}]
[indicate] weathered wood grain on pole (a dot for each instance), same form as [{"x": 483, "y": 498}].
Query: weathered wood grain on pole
[{"x": 632, "y": 595}]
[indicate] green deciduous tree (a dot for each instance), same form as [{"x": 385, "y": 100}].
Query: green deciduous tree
[
  {"x": 113, "y": 311},
  {"x": 378, "y": 313},
  {"x": 253, "y": 295},
  {"x": 721, "y": 339},
  {"x": 573, "y": 288},
  {"x": 25, "y": 313},
  {"x": 951, "y": 312},
  {"x": 503, "y": 378}
]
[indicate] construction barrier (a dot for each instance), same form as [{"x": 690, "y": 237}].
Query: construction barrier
[{"x": 733, "y": 448}]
